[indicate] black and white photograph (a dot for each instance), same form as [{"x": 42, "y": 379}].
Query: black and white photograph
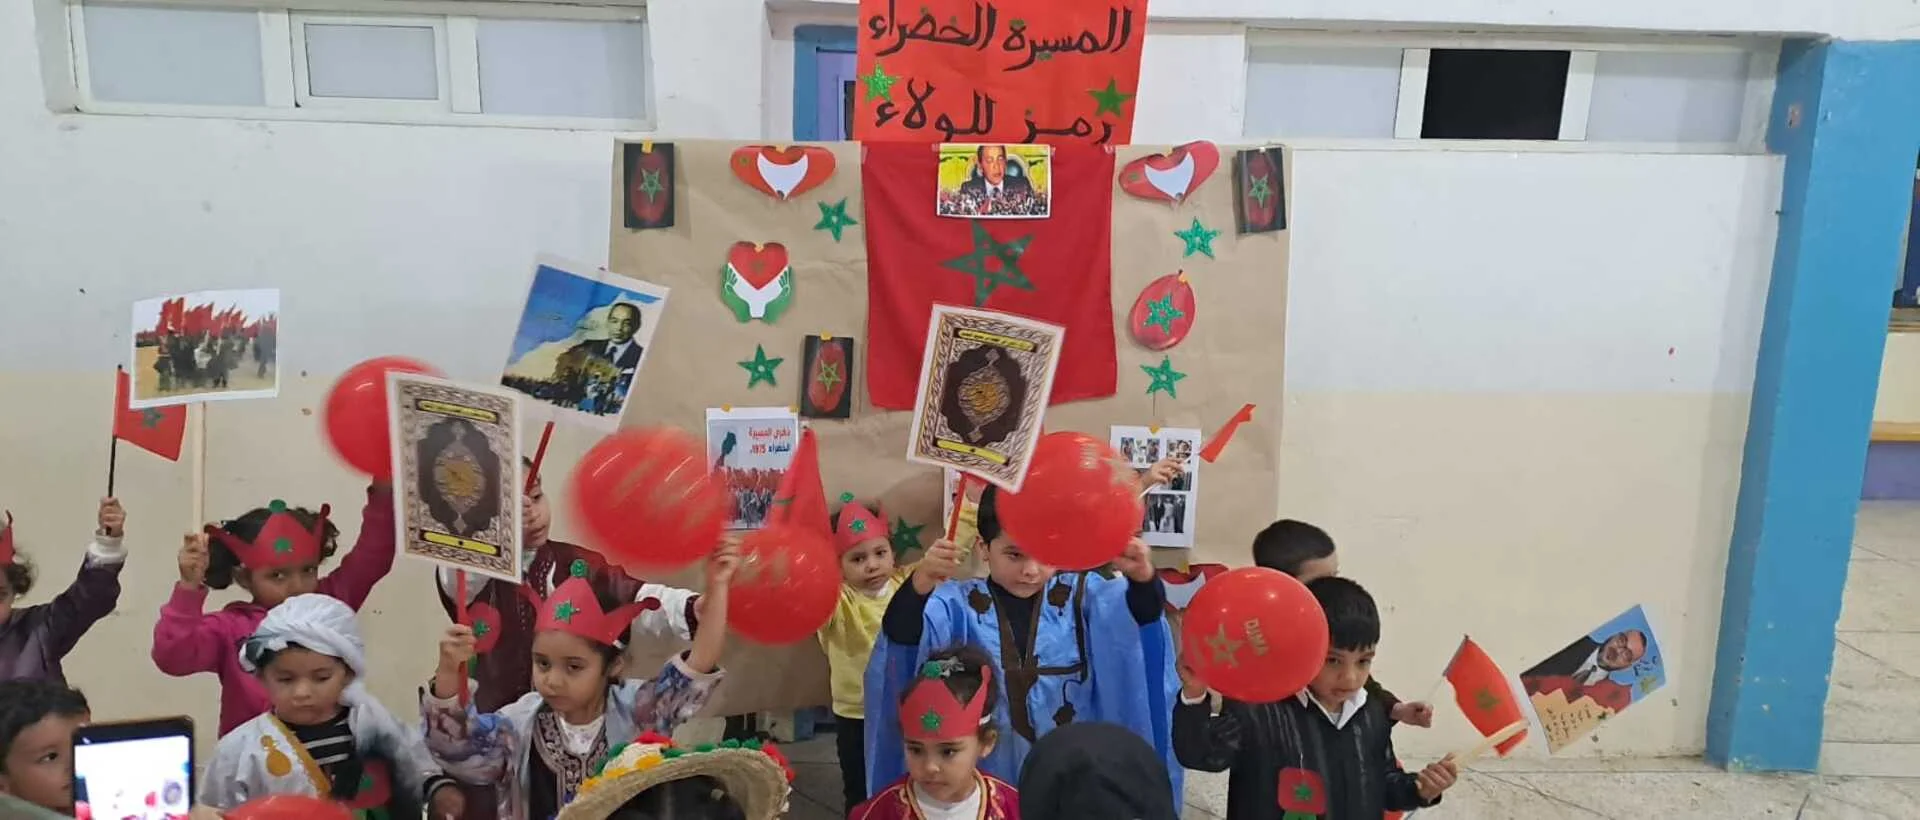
[{"x": 1171, "y": 508}]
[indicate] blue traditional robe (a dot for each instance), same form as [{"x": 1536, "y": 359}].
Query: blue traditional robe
[{"x": 1091, "y": 662}]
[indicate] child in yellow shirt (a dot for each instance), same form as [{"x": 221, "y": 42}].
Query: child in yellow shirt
[{"x": 868, "y": 579}]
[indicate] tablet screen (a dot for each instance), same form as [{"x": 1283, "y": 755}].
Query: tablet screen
[{"x": 139, "y": 778}]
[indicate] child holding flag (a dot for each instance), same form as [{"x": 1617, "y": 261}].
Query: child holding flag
[{"x": 34, "y": 639}]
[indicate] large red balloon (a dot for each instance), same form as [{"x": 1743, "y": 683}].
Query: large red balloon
[
  {"x": 786, "y": 587},
  {"x": 1079, "y": 505},
  {"x": 355, "y": 415},
  {"x": 1255, "y": 635},
  {"x": 647, "y": 499},
  {"x": 289, "y": 807}
]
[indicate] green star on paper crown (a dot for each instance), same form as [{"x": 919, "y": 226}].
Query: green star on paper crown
[
  {"x": 858, "y": 525},
  {"x": 930, "y": 721},
  {"x": 565, "y": 612},
  {"x": 846, "y": 498},
  {"x": 283, "y": 545}
]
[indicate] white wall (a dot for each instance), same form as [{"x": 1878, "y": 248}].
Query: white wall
[{"x": 1482, "y": 403}]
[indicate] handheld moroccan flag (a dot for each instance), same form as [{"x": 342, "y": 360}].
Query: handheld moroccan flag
[
  {"x": 157, "y": 430},
  {"x": 1484, "y": 695},
  {"x": 802, "y": 497}
]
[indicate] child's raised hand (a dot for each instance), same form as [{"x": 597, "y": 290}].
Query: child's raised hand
[
  {"x": 723, "y": 562},
  {"x": 1417, "y": 713},
  {"x": 112, "y": 519},
  {"x": 193, "y": 559},
  {"x": 1163, "y": 471},
  {"x": 1136, "y": 562},
  {"x": 457, "y": 647},
  {"x": 941, "y": 562},
  {"x": 1437, "y": 777}
]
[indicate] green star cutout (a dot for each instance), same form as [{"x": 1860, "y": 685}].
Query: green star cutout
[
  {"x": 1198, "y": 239},
  {"x": 565, "y": 611},
  {"x": 1486, "y": 700},
  {"x": 150, "y": 417},
  {"x": 992, "y": 263},
  {"x": 878, "y": 84},
  {"x": 760, "y": 367},
  {"x": 650, "y": 184},
  {"x": 846, "y": 498},
  {"x": 1260, "y": 191},
  {"x": 1302, "y": 792},
  {"x": 834, "y": 218},
  {"x": 930, "y": 721},
  {"x": 1109, "y": 99},
  {"x": 283, "y": 545},
  {"x": 1161, "y": 313},
  {"x": 904, "y": 536},
  {"x": 859, "y": 525},
  {"x": 481, "y": 628},
  {"x": 829, "y": 375},
  {"x": 1164, "y": 377}
]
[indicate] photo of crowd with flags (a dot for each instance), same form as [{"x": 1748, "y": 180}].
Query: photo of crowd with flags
[{"x": 195, "y": 347}]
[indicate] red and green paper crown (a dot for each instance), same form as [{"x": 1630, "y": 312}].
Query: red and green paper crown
[
  {"x": 282, "y": 541},
  {"x": 856, "y": 525},
  {"x": 6, "y": 540},
  {"x": 574, "y": 608},
  {"x": 932, "y": 713}
]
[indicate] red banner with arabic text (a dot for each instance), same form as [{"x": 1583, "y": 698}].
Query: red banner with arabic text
[{"x": 1052, "y": 71}]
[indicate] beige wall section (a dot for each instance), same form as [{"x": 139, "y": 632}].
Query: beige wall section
[
  {"x": 1899, "y": 399},
  {"x": 1524, "y": 520}
]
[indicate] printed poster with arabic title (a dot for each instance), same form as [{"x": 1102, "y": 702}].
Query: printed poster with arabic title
[{"x": 998, "y": 72}]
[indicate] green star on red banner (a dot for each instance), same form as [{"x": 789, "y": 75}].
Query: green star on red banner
[
  {"x": 650, "y": 184},
  {"x": 1198, "y": 239},
  {"x": 151, "y": 417},
  {"x": 1260, "y": 191},
  {"x": 904, "y": 536},
  {"x": 1161, "y": 313},
  {"x": 760, "y": 367},
  {"x": 1486, "y": 700},
  {"x": 1165, "y": 378},
  {"x": 992, "y": 264},
  {"x": 481, "y": 628},
  {"x": 834, "y": 218},
  {"x": 878, "y": 84},
  {"x": 1109, "y": 99}
]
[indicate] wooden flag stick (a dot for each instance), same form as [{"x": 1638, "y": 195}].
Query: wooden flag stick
[
  {"x": 539, "y": 455},
  {"x": 959, "y": 498},
  {"x": 199, "y": 466},
  {"x": 113, "y": 433},
  {"x": 1463, "y": 758}
]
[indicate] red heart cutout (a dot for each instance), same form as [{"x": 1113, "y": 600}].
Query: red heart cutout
[
  {"x": 484, "y": 613},
  {"x": 783, "y": 173},
  {"x": 1180, "y": 587},
  {"x": 1172, "y": 176},
  {"x": 758, "y": 264}
]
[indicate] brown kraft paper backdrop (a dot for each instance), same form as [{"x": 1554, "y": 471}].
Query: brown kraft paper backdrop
[{"x": 1232, "y": 357}]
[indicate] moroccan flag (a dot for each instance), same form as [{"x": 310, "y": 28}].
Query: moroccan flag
[
  {"x": 1484, "y": 696},
  {"x": 1057, "y": 269},
  {"x": 158, "y": 430},
  {"x": 802, "y": 497}
]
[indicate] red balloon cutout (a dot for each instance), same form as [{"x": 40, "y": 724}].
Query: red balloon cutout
[
  {"x": 289, "y": 807},
  {"x": 1079, "y": 505},
  {"x": 355, "y": 415},
  {"x": 1255, "y": 635},
  {"x": 786, "y": 586},
  {"x": 647, "y": 499}
]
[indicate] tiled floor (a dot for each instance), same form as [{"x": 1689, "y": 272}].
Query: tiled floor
[{"x": 1870, "y": 762}]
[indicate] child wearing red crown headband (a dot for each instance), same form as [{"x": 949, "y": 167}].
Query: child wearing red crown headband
[
  {"x": 274, "y": 553},
  {"x": 868, "y": 579},
  {"x": 946, "y": 720},
  {"x": 536, "y": 752},
  {"x": 34, "y": 639}
]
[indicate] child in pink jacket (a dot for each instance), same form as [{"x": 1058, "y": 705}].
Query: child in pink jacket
[{"x": 275, "y": 553}]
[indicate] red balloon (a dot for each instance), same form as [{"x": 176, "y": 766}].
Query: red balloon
[
  {"x": 786, "y": 586},
  {"x": 648, "y": 500},
  {"x": 289, "y": 807},
  {"x": 355, "y": 415},
  {"x": 1079, "y": 506},
  {"x": 1255, "y": 635}
]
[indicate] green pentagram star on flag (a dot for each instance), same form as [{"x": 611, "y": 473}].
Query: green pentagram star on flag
[
  {"x": 1260, "y": 191},
  {"x": 481, "y": 628},
  {"x": 650, "y": 184},
  {"x": 829, "y": 375},
  {"x": 904, "y": 536},
  {"x": 1161, "y": 313},
  {"x": 1486, "y": 700},
  {"x": 760, "y": 367},
  {"x": 834, "y": 218},
  {"x": 878, "y": 84},
  {"x": 1109, "y": 99},
  {"x": 991, "y": 264},
  {"x": 151, "y": 417},
  {"x": 1198, "y": 239},
  {"x": 1164, "y": 377}
]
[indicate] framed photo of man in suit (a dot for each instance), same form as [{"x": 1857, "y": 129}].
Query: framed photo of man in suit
[
  {"x": 994, "y": 181},
  {"x": 582, "y": 338}
]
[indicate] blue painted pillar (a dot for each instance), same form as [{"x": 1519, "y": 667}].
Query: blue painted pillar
[{"x": 1847, "y": 117}]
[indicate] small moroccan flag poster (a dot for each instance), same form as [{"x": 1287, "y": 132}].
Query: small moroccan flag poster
[
  {"x": 1594, "y": 678},
  {"x": 1056, "y": 270},
  {"x": 827, "y": 392},
  {"x": 1484, "y": 694}
]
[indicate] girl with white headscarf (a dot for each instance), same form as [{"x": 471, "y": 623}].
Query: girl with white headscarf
[{"x": 325, "y": 735}]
